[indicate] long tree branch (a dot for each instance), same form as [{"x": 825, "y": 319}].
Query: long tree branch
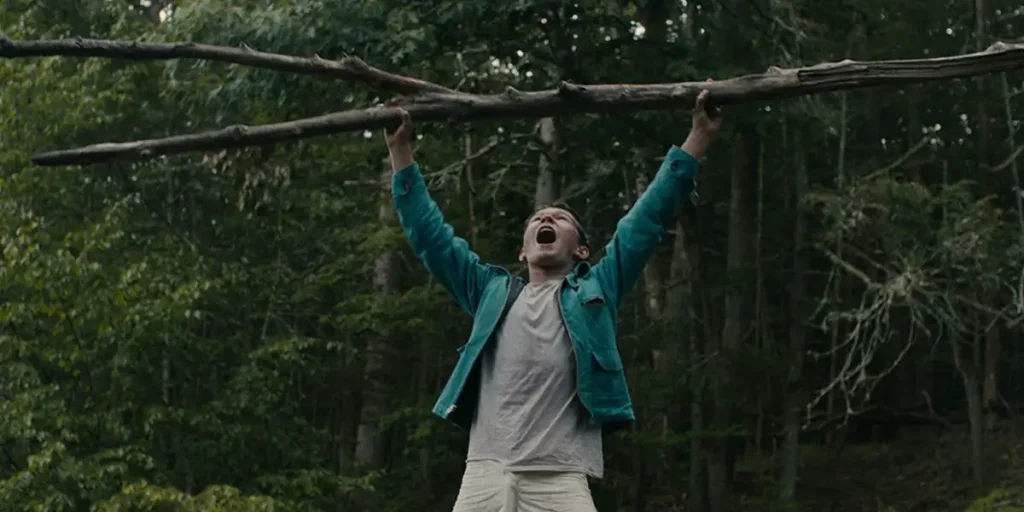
[
  {"x": 568, "y": 98},
  {"x": 351, "y": 69}
]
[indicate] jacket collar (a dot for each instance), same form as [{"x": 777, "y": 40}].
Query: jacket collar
[{"x": 577, "y": 273}]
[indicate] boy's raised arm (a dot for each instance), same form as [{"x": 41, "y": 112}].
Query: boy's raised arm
[
  {"x": 447, "y": 257},
  {"x": 640, "y": 231}
]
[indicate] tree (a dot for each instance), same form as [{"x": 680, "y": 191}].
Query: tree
[{"x": 191, "y": 331}]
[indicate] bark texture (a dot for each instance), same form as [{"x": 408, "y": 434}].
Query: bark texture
[
  {"x": 432, "y": 102},
  {"x": 351, "y": 69}
]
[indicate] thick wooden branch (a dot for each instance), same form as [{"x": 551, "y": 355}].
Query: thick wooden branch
[
  {"x": 351, "y": 69},
  {"x": 567, "y": 99}
]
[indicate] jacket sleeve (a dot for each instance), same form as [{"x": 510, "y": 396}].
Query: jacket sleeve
[
  {"x": 447, "y": 257},
  {"x": 640, "y": 231}
]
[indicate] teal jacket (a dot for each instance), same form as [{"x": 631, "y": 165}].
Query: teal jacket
[{"x": 590, "y": 295}]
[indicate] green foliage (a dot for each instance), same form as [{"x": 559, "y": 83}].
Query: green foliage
[
  {"x": 207, "y": 331},
  {"x": 945, "y": 226},
  {"x": 1002, "y": 499},
  {"x": 767, "y": 496},
  {"x": 143, "y": 497}
]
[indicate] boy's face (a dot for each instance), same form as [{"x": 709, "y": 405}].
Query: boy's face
[{"x": 551, "y": 239}]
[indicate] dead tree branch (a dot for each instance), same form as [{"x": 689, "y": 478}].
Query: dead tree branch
[
  {"x": 567, "y": 99},
  {"x": 351, "y": 69},
  {"x": 1005, "y": 163},
  {"x": 899, "y": 161}
]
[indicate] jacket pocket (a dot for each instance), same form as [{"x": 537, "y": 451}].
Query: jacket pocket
[
  {"x": 591, "y": 295},
  {"x": 606, "y": 389}
]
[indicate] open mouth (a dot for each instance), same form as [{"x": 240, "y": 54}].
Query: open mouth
[{"x": 546, "y": 235}]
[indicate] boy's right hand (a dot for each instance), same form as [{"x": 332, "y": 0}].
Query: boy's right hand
[
  {"x": 707, "y": 120},
  {"x": 403, "y": 134},
  {"x": 400, "y": 143}
]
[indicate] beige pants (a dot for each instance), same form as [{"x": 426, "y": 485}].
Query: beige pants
[{"x": 488, "y": 487}]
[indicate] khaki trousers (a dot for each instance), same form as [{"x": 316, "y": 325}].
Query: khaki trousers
[{"x": 489, "y": 487}]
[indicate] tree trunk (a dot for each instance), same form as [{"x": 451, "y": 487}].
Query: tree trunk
[
  {"x": 760, "y": 340},
  {"x": 831, "y": 439},
  {"x": 967, "y": 368},
  {"x": 737, "y": 320},
  {"x": 679, "y": 305},
  {"x": 643, "y": 460},
  {"x": 990, "y": 387},
  {"x": 990, "y": 366},
  {"x": 474, "y": 227},
  {"x": 689, "y": 29},
  {"x": 972, "y": 389},
  {"x": 797, "y": 331},
  {"x": 974, "y": 411},
  {"x": 981, "y": 80},
  {"x": 428, "y": 353},
  {"x": 371, "y": 445},
  {"x": 346, "y": 420},
  {"x": 1011, "y": 132},
  {"x": 993, "y": 344},
  {"x": 547, "y": 191}
]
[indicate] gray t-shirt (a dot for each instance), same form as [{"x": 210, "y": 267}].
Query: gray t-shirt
[{"x": 529, "y": 417}]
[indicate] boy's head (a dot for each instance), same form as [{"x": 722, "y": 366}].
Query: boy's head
[{"x": 554, "y": 238}]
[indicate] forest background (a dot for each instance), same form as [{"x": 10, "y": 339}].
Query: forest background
[{"x": 833, "y": 323}]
